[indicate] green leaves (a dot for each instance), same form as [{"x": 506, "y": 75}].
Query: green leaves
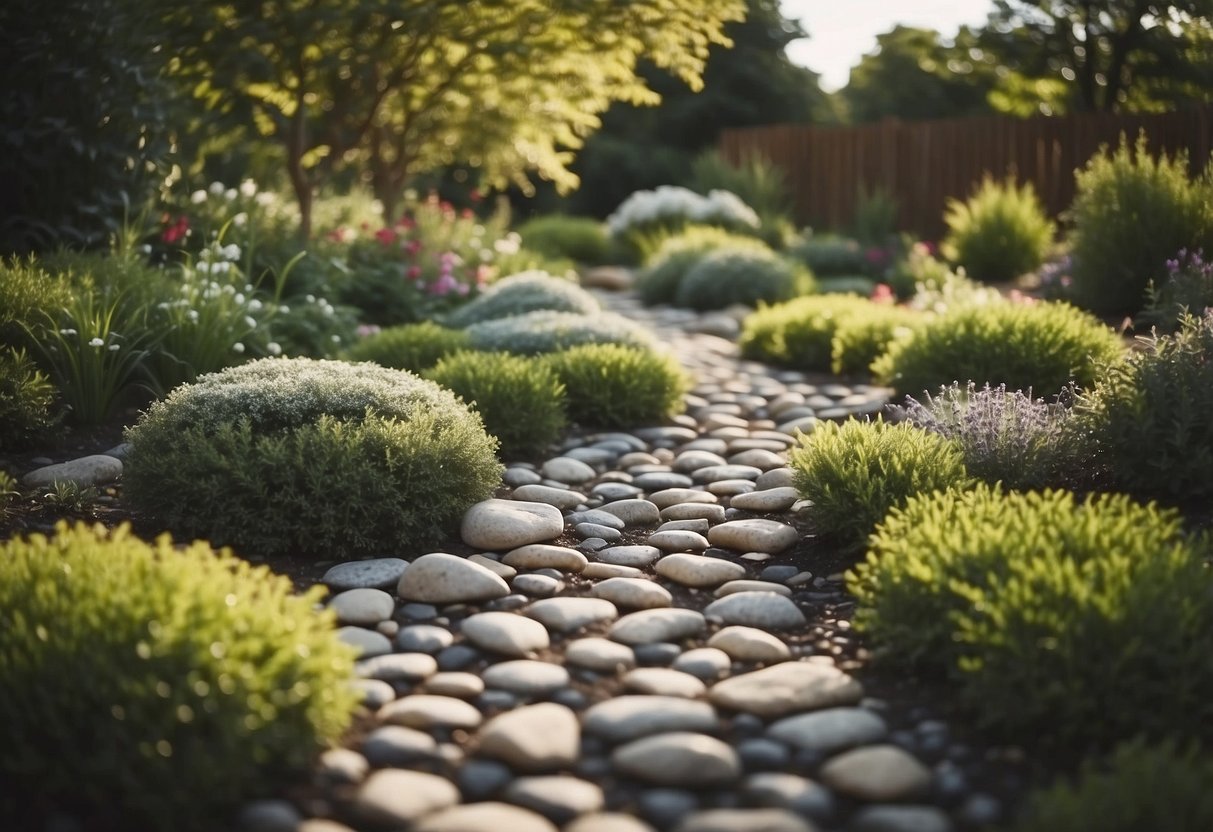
[{"x": 999, "y": 233}]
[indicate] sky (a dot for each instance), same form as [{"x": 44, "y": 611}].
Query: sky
[{"x": 842, "y": 31}]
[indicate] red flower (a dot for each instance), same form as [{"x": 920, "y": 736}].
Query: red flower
[
  {"x": 413, "y": 247},
  {"x": 179, "y": 230},
  {"x": 414, "y": 272},
  {"x": 385, "y": 236}
]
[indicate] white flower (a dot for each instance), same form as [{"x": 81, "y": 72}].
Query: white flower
[
  {"x": 112, "y": 348},
  {"x": 203, "y": 267},
  {"x": 67, "y": 332},
  {"x": 216, "y": 188},
  {"x": 198, "y": 197},
  {"x": 239, "y": 297},
  {"x": 221, "y": 267},
  {"x": 237, "y": 347},
  {"x": 230, "y": 194},
  {"x": 264, "y": 199},
  {"x": 250, "y": 321},
  {"x": 310, "y": 298},
  {"x": 192, "y": 314},
  {"x": 96, "y": 342},
  {"x": 145, "y": 249},
  {"x": 274, "y": 348},
  {"x": 240, "y": 220},
  {"x": 254, "y": 305},
  {"x": 248, "y": 187},
  {"x": 284, "y": 309},
  {"x": 231, "y": 251},
  {"x": 336, "y": 339}
]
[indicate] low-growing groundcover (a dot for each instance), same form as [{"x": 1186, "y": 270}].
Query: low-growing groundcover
[
  {"x": 542, "y": 331},
  {"x": 726, "y": 277},
  {"x": 412, "y": 347},
  {"x": 614, "y": 386},
  {"x": 800, "y": 332},
  {"x": 1075, "y": 622},
  {"x": 323, "y": 457},
  {"x": 520, "y": 293},
  {"x": 149, "y": 687}
]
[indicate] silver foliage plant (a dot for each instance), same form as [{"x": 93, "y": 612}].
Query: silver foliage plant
[{"x": 1005, "y": 436}]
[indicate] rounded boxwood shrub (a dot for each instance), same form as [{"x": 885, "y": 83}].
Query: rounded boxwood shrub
[
  {"x": 521, "y": 293},
  {"x": 999, "y": 233},
  {"x": 831, "y": 256},
  {"x": 582, "y": 239},
  {"x": 520, "y": 399},
  {"x": 861, "y": 338},
  {"x": 157, "y": 686},
  {"x": 1150, "y": 416},
  {"x": 856, "y": 471},
  {"x": 1139, "y": 786},
  {"x": 284, "y": 455},
  {"x": 726, "y": 277},
  {"x": 614, "y": 386},
  {"x": 1084, "y": 621},
  {"x": 1042, "y": 346},
  {"x": 800, "y": 332},
  {"x": 545, "y": 331},
  {"x": 661, "y": 276},
  {"x": 412, "y": 347}
]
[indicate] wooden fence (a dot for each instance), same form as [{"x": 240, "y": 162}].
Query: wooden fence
[{"x": 924, "y": 163}]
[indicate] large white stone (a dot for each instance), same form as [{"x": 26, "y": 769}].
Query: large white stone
[
  {"x": 86, "y": 471},
  {"x": 876, "y": 772},
  {"x": 545, "y": 556},
  {"x": 506, "y": 633},
  {"x": 543, "y": 737},
  {"x": 564, "y": 615},
  {"x": 484, "y": 817},
  {"x": 678, "y": 759},
  {"x": 698, "y": 570},
  {"x": 648, "y": 626},
  {"x": 633, "y": 593},
  {"x": 393, "y": 796},
  {"x": 787, "y": 688},
  {"x": 439, "y": 578},
  {"x": 362, "y": 606},
  {"x": 754, "y": 535},
  {"x": 508, "y": 524},
  {"x": 749, "y": 644},
  {"x": 766, "y": 610}
]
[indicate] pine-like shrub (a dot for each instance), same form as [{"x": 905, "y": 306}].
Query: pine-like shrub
[
  {"x": 522, "y": 293},
  {"x": 1139, "y": 786},
  {"x": 862, "y": 338},
  {"x": 581, "y": 239},
  {"x": 156, "y": 686},
  {"x": 520, "y": 400},
  {"x": 800, "y": 332},
  {"x": 830, "y": 256},
  {"x": 854, "y": 473},
  {"x": 1004, "y": 436},
  {"x": 614, "y": 386},
  {"x": 664, "y": 271},
  {"x": 1150, "y": 416},
  {"x": 412, "y": 347},
  {"x": 727, "y": 277},
  {"x": 999, "y": 233},
  {"x": 1081, "y": 621},
  {"x": 284, "y": 455},
  {"x": 1131, "y": 213},
  {"x": 27, "y": 399},
  {"x": 1043, "y": 346},
  {"x": 545, "y": 331}
]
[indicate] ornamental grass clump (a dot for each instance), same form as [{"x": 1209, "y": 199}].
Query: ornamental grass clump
[
  {"x": 1005, "y": 436},
  {"x": 1080, "y": 622},
  {"x": 320, "y": 457},
  {"x": 799, "y": 333},
  {"x": 615, "y": 386},
  {"x": 854, "y": 473},
  {"x": 412, "y": 347},
  {"x": 581, "y": 239},
  {"x": 546, "y": 331},
  {"x": 1149, "y": 418},
  {"x": 663, "y": 273},
  {"x": 1042, "y": 346},
  {"x": 157, "y": 686},
  {"x": 522, "y": 293},
  {"x": 520, "y": 400},
  {"x": 999, "y": 233},
  {"x": 726, "y": 277}
]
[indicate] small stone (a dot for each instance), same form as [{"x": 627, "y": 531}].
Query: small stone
[
  {"x": 567, "y": 470},
  {"x": 637, "y": 556},
  {"x": 373, "y": 693},
  {"x": 495, "y": 566},
  {"x": 588, "y": 531},
  {"x": 733, "y": 587},
  {"x": 507, "y": 524},
  {"x": 647, "y": 626},
  {"x": 661, "y": 480},
  {"x": 754, "y": 535},
  {"x": 481, "y": 779},
  {"x": 698, "y": 570},
  {"x": 397, "y": 797},
  {"x": 759, "y": 458},
  {"x": 533, "y": 738},
  {"x": 699, "y": 525},
  {"x": 516, "y": 475},
  {"x": 679, "y": 758},
  {"x": 900, "y": 819},
  {"x": 608, "y": 822},
  {"x": 787, "y": 688},
  {"x": 767, "y": 610},
  {"x": 776, "y": 478},
  {"x": 455, "y": 683},
  {"x": 407, "y": 667},
  {"x": 768, "y": 501},
  {"x": 706, "y": 663},
  {"x": 525, "y": 677},
  {"x": 478, "y": 817},
  {"x": 789, "y": 791},
  {"x": 678, "y": 541},
  {"x": 558, "y": 797},
  {"x": 596, "y": 517},
  {"x": 661, "y": 681},
  {"x": 269, "y": 816},
  {"x": 877, "y": 773},
  {"x": 87, "y": 471},
  {"x": 377, "y": 573},
  {"x": 363, "y": 606},
  {"x": 565, "y": 615},
  {"x": 633, "y": 593},
  {"x": 830, "y": 730},
  {"x": 535, "y": 585},
  {"x": 423, "y": 638},
  {"x": 600, "y": 654},
  {"x": 627, "y": 717},
  {"x": 367, "y": 642},
  {"x": 505, "y": 633},
  {"x": 750, "y": 644},
  {"x": 610, "y": 492},
  {"x": 745, "y": 820},
  {"x": 717, "y": 473},
  {"x": 675, "y": 496},
  {"x": 712, "y": 512},
  {"x": 634, "y": 512},
  {"x": 423, "y": 710},
  {"x": 439, "y": 578},
  {"x": 543, "y": 556},
  {"x": 561, "y": 498},
  {"x": 609, "y": 570},
  {"x": 397, "y": 746}
]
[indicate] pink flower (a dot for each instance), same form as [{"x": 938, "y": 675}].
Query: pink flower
[
  {"x": 413, "y": 247},
  {"x": 444, "y": 285},
  {"x": 179, "y": 230},
  {"x": 414, "y": 272},
  {"x": 385, "y": 236},
  {"x": 366, "y": 330},
  {"x": 881, "y": 293}
]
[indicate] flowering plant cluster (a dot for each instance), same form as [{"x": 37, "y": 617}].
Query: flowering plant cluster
[
  {"x": 673, "y": 206},
  {"x": 1188, "y": 288}
]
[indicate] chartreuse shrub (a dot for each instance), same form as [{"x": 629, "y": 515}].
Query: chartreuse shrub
[
  {"x": 800, "y": 332},
  {"x": 1150, "y": 417},
  {"x": 1044, "y": 346},
  {"x": 521, "y": 293},
  {"x": 1131, "y": 213},
  {"x": 412, "y": 347},
  {"x": 615, "y": 386},
  {"x": 664, "y": 271},
  {"x": 726, "y": 277},
  {"x": 1005, "y": 436},
  {"x": 1138, "y": 786},
  {"x": 285, "y": 455},
  {"x": 533, "y": 333},
  {"x": 520, "y": 399},
  {"x": 1083, "y": 621},
  {"x": 999, "y": 233},
  {"x": 581, "y": 239},
  {"x": 27, "y": 400},
  {"x": 861, "y": 338},
  {"x": 855, "y": 472},
  {"x": 157, "y": 686}
]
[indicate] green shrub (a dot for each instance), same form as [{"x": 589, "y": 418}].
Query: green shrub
[
  {"x": 27, "y": 398},
  {"x": 849, "y": 284},
  {"x": 1082, "y": 622},
  {"x": 1150, "y": 416},
  {"x": 831, "y": 256},
  {"x": 520, "y": 400},
  {"x": 999, "y": 233},
  {"x": 412, "y": 347},
  {"x": 546, "y": 331},
  {"x": 800, "y": 332},
  {"x": 324, "y": 457},
  {"x": 659, "y": 280},
  {"x": 28, "y": 294},
  {"x": 861, "y": 338},
  {"x": 157, "y": 687},
  {"x": 1042, "y": 346},
  {"x": 1130, "y": 214},
  {"x": 726, "y": 277},
  {"x": 1139, "y": 786},
  {"x": 581, "y": 239},
  {"x": 1004, "y": 436},
  {"x": 854, "y": 473},
  {"x": 1187, "y": 289},
  {"x": 614, "y": 386},
  {"x": 876, "y": 213},
  {"x": 916, "y": 266},
  {"x": 521, "y": 293}
]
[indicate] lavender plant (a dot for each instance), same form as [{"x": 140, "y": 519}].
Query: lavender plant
[{"x": 1188, "y": 288}]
